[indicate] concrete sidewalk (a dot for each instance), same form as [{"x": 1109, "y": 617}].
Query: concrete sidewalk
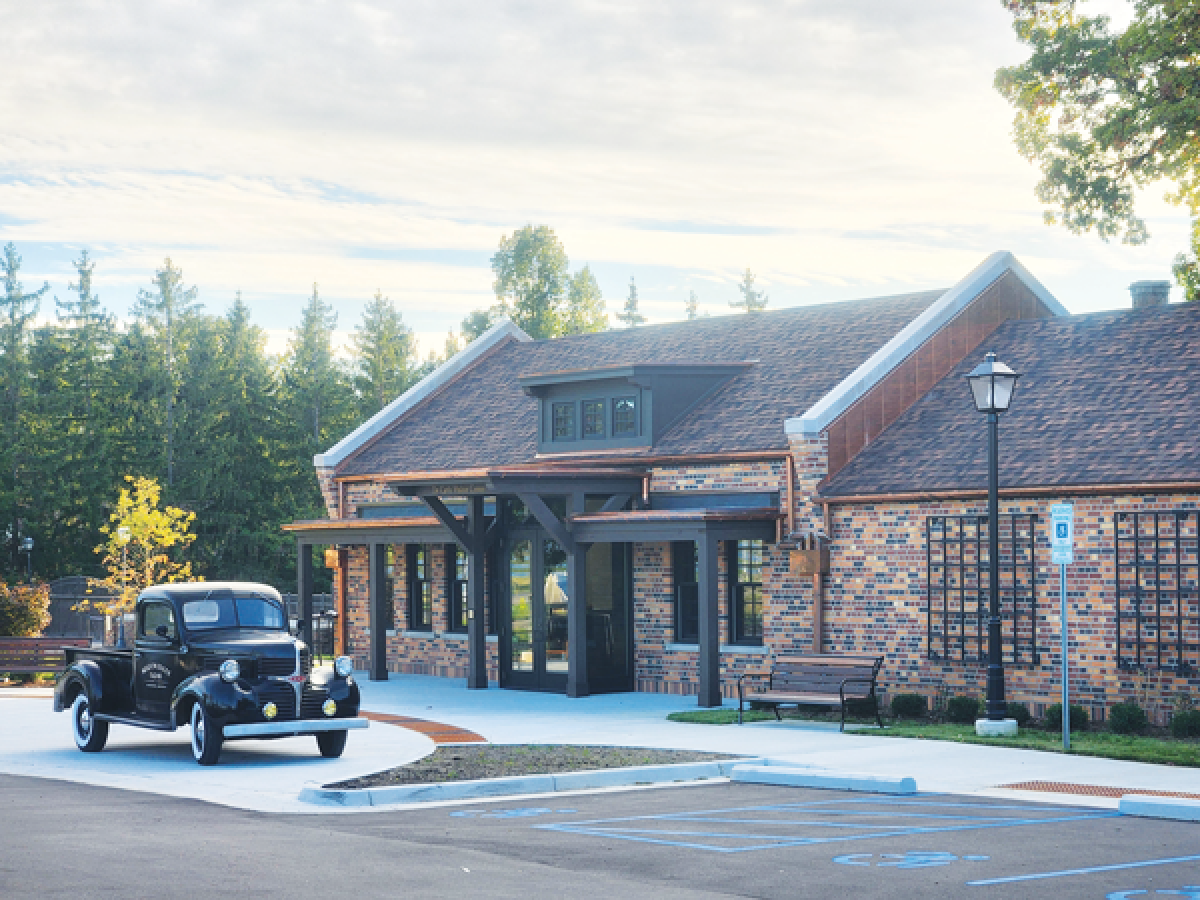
[{"x": 269, "y": 775}]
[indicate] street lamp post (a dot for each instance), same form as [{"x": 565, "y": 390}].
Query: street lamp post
[
  {"x": 992, "y": 386},
  {"x": 27, "y": 549}
]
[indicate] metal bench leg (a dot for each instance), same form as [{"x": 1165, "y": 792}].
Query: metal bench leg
[
  {"x": 843, "y": 725},
  {"x": 878, "y": 720},
  {"x": 740, "y": 710}
]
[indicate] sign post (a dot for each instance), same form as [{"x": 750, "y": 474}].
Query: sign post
[{"x": 1062, "y": 551}]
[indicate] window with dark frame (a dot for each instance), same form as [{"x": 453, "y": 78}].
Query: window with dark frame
[
  {"x": 420, "y": 588},
  {"x": 624, "y": 417},
  {"x": 389, "y": 588},
  {"x": 562, "y": 417},
  {"x": 593, "y": 418},
  {"x": 456, "y": 587},
  {"x": 745, "y": 587},
  {"x": 1158, "y": 590},
  {"x": 685, "y": 582}
]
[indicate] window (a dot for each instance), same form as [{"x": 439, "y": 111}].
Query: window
[
  {"x": 1158, "y": 590},
  {"x": 957, "y": 593},
  {"x": 593, "y": 418},
  {"x": 685, "y": 568},
  {"x": 624, "y": 417},
  {"x": 155, "y": 615},
  {"x": 456, "y": 586},
  {"x": 420, "y": 588},
  {"x": 224, "y": 609},
  {"x": 563, "y": 424},
  {"x": 745, "y": 586}
]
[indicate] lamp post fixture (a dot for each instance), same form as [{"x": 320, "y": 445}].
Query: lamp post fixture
[
  {"x": 27, "y": 549},
  {"x": 992, "y": 386}
]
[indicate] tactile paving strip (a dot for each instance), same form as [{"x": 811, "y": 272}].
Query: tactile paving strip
[
  {"x": 437, "y": 732},
  {"x": 1091, "y": 790}
]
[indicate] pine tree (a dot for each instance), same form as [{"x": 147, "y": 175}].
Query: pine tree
[
  {"x": 752, "y": 300},
  {"x": 629, "y": 315},
  {"x": 163, "y": 309},
  {"x": 16, "y": 314},
  {"x": 385, "y": 354},
  {"x": 692, "y": 305}
]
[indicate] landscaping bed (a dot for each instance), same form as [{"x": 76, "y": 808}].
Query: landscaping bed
[{"x": 467, "y": 763}]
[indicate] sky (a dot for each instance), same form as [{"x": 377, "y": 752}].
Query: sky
[{"x": 837, "y": 150}]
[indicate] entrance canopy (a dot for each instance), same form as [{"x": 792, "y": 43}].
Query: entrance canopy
[{"x": 602, "y": 505}]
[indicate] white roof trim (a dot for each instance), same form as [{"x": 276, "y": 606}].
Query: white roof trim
[
  {"x": 916, "y": 333},
  {"x": 432, "y": 382}
]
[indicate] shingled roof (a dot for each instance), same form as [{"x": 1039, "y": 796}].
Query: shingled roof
[
  {"x": 483, "y": 418},
  {"x": 1104, "y": 399}
]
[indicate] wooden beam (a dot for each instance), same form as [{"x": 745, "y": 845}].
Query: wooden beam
[
  {"x": 549, "y": 521},
  {"x": 709, "y": 605},
  {"x": 477, "y": 676},
  {"x": 577, "y": 649},
  {"x": 376, "y": 575},
  {"x": 452, "y": 523},
  {"x": 304, "y": 592},
  {"x": 615, "y": 502}
]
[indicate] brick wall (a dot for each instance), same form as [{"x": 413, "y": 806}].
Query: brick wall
[{"x": 876, "y": 602}]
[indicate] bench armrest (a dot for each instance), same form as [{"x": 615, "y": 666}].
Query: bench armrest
[
  {"x": 746, "y": 675},
  {"x": 846, "y": 681}
]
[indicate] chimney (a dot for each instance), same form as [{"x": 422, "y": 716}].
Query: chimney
[{"x": 1150, "y": 293}]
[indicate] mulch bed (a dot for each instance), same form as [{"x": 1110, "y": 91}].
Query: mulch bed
[{"x": 498, "y": 760}]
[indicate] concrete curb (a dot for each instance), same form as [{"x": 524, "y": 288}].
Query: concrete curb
[
  {"x": 517, "y": 784},
  {"x": 792, "y": 776},
  {"x": 1150, "y": 807}
]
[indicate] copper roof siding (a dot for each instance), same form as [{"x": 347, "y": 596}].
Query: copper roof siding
[
  {"x": 1104, "y": 399},
  {"x": 483, "y": 418}
]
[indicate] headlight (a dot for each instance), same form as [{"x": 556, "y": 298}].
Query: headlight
[
  {"x": 344, "y": 666},
  {"x": 329, "y": 707},
  {"x": 230, "y": 671}
]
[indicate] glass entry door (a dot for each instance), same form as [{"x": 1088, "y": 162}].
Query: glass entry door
[{"x": 534, "y": 651}]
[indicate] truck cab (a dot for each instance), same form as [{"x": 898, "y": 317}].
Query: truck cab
[{"x": 217, "y": 657}]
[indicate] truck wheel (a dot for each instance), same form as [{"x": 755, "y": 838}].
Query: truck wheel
[
  {"x": 90, "y": 735},
  {"x": 206, "y": 737},
  {"x": 331, "y": 743}
]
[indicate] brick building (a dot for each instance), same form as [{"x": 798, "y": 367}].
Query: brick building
[{"x": 662, "y": 508}]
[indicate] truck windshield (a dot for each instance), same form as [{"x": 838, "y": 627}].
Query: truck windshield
[{"x": 225, "y": 609}]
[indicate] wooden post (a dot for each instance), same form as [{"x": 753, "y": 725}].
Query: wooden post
[
  {"x": 376, "y": 578},
  {"x": 577, "y": 661},
  {"x": 304, "y": 592},
  {"x": 477, "y": 676},
  {"x": 709, "y": 637}
]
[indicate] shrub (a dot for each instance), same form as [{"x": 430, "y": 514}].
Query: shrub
[
  {"x": 963, "y": 710},
  {"x": 24, "y": 609},
  {"x": 1186, "y": 724},
  {"x": 1020, "y": 712},
  {"x": 1126, "y": 718},
  {"x": 908, "y": 706},
  {"x": 1053, "y": 720}
]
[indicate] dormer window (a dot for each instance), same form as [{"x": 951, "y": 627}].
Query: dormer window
[
  {"x": 624, "y": 416},
  {"x": 619, "y": 407},
  {"x": 564, "y": 421},
  {"x": 593, "y": 419}
]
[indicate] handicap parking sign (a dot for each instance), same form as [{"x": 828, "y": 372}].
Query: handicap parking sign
[{"x": 1062, "y": 533}]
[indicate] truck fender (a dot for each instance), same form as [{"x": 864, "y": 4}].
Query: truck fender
[
  {"x": 83, "y": 676},
  {"x": 219, "y": 697}
]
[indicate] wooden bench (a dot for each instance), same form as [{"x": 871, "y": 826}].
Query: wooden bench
[
  {"x": 814, "y": 681},
  {"x": 28, "y": 656}
]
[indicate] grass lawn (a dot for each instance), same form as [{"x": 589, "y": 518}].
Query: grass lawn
[{"x": 1136, "y": 748}]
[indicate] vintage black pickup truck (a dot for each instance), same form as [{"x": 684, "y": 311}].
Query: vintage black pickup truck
[{"x": 217, "y": 656}]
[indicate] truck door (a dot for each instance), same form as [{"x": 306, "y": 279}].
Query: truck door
[{"x": 156, "y": 669}]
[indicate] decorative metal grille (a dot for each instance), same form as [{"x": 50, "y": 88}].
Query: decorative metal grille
[
  {"x": 957, "y": 591},
  {"x": 1158, "y": 604}
]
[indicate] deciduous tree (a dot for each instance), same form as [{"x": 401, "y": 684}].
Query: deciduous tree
[{"x": 531, "y": 280}]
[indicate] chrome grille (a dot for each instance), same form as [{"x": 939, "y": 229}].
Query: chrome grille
[
  {"x": 277, "y": 666},
  {"x": 282, "y": 696},
  {"x": 310, "y": 703},
  {"x": 306, "y": 661}
]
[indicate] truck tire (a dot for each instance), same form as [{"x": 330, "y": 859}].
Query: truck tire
[
  {"x": 90, "y": 734},
  {"x": 206, "y": 736},
  {"x": 331, "y": 743}
]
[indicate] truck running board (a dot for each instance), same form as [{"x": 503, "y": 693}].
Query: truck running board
[{"x": 156, "y": 724}]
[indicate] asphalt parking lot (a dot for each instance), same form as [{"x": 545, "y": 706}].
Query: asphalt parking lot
[{"x": 59, "y": 839}]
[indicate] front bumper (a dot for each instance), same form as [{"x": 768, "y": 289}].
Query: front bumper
[{"x": 293, "y": 727}]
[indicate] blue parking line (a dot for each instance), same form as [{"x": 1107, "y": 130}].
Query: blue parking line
[
  {"x": 1088, "y": 871},
  {"x": 641, "y": 829}
]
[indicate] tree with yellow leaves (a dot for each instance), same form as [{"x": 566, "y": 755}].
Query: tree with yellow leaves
[{"x": 140, "y": 541}]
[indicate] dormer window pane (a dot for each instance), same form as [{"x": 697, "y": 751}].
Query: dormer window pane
[
  {"x": 624, "y": 416},
  {"x": 593, "y": 418},
  {"x": 564, "y": 421}
]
